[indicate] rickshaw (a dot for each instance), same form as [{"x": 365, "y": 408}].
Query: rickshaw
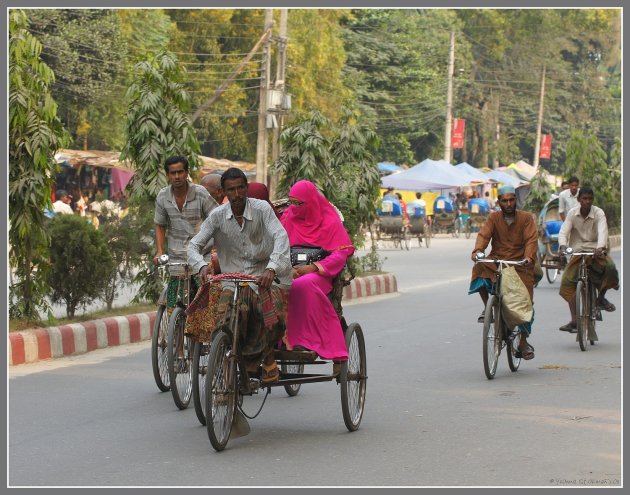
[
  {"x": 549, "y": 223},
  {"x": 419, "y": 224},
  {"x": 390, "y": 223},
  {"x": 228, "y": 380},
  {"x": 478, "y": 211},
  {"x": 446, "y": 217}
]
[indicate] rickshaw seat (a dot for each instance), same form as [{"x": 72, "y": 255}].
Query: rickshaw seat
[{"x": 552, "y": 228}]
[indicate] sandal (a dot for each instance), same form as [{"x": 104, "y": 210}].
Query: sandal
[
  {"x": 526, "y": 352},
  {"x": 605, "y": 304},
  {"x": 270, "y": 373}
]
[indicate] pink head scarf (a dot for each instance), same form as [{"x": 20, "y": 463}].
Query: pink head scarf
[{"x": 315, "y": 222}]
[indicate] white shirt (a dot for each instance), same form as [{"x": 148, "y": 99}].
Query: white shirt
[
  {"x": 62, "y": 208},
  {"x": 580, "y": 233},
  {"x": 566, "y": 200},
  {"x": 261, "y": 242}
]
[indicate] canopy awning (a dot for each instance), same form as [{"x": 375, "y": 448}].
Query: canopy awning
[
  {"x": 427, "y": 175},
  {"x": 475, "y": 174}
]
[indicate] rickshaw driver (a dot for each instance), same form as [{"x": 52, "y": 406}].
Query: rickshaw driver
[
  {"x": 514, "y": 237},
  {"x": 251, "y": 240},
  {"x": 585, "y": 227}
]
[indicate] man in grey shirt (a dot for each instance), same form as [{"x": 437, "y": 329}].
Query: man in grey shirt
[
  {"x": 251, "y": 240},
  {"x": 568, "y": 198},
  {"x": 180, "y": 208}
]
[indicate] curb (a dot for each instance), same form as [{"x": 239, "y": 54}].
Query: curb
[{"x": 30, "y": 346}]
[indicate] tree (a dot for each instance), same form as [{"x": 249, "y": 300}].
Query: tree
[
  {"x": 158, "y": 126},
  {"x": 35, "y": 133},
  {"x": 587, "y": 160},
  {"x": 81, "y": 262},
  {"x": 88, "y": 53},
  {"x": 540, "y": 192}
]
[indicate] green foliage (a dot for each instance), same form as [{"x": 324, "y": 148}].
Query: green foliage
[
  {"x": 157, "y": 123},
  {"x": 540, "y": 192},
  {"x": 81, "y": 262},
  {"x": 587, "y": 160},
  {"x": 88, "y": 53},
  {"x": 35, "y": 133}
]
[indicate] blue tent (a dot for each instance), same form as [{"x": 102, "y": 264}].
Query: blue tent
[
  {"x": 388, "y": 167},
  {"x": 503, "y": 178},
  {"x": 427, "y": 175},
  {"x": 475, "y": 174}
]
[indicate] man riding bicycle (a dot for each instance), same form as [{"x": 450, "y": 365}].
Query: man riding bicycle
[
  {"x": 585, "y": 228},
  {"x": 514, "y": 237},
  {"x": 180, "y": 208},
  {"x": 251, "y": 240}
]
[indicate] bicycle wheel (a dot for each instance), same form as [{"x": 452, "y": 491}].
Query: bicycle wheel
[
  {"x": 491, "y": 337},
  {"x": 457, "y": 228},
  {"x": 582, "y": 311},
  {"x": 179, "y": 351},
  {"x": 512, "y": 347},
  {"x": 467, "y": 230},
  {"x": 353, "y": 378},
  {"x": 297, "y": 368},
  {"x": 552, "y": 274},
  {"x": 406, "y": 239},
  {"x": 221, "y": 390},
  {"x": 427, "y": 235},
  {"x": 159, "y": 359},
  {"x": 199, "y": 374}
]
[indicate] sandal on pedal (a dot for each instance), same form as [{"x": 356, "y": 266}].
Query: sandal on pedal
[
  {"x": 605, "y": 304},
  {"x": 570, "y": 327},
  {"x": 270, "y": 373},
  {"x": 526, "y": 352}
]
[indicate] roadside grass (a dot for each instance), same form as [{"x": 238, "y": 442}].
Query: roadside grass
[{"x": 20, "y": 325}]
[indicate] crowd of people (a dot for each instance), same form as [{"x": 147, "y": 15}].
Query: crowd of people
[{"x": 94, "y": 210}]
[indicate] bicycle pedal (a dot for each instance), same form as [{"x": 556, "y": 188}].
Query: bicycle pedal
[{"x": 598, "y": 315}]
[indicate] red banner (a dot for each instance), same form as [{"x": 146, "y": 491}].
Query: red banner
[
  {"x": 457, "y": 135},
  {"x": 545, "y": 146}
]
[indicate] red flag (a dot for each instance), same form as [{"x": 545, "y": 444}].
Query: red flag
[
  {"x": 545, "y": 146},
  {"x": 457, "y": 136}
]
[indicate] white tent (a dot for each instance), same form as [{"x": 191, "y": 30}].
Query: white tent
[{"x": 427, "y": 175}]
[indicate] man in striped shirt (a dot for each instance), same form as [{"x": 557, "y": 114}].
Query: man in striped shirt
[
  {"x": 180, "y": 208},
  {"x": 251, "y": 240}
]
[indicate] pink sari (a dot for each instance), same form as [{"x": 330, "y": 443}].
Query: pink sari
[{"x": 312, "y": 321}]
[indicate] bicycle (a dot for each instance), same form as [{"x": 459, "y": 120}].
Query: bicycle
[
  {"x": 180, "y": 347},
  {"x": 499, "y": 336},
  {"x": 586, "y": 309}
]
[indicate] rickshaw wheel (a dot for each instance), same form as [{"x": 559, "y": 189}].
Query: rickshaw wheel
[
  {"x": 427, "y": 234},
  {"x": 221, "y": 390},
  {"x": 406, "y": 239},
  {"x": 467, "y": 230},
  {"x": 552, "y": 274},
  {"x": 200, "y": 373},
  {"x": 353, "y": 378},
  {"x": 296, "y": 368}
]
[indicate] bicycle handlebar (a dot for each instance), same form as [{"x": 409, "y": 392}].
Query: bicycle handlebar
[
  {"x": 481, "y": 258},
  {"x": 570, "y": 252}
]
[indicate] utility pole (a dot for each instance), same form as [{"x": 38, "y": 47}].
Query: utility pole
[
  {"x": 540, "y": 118},
  {"x": 279, "y": 85},
  {"x": 449, "y": 100},
  {"x": 261, "y": 143}
]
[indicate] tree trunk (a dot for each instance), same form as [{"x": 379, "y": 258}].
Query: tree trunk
[{"x": 28, "y": 280}]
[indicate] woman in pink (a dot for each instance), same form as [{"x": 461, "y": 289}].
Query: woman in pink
[{"x": 312, "y": 322}]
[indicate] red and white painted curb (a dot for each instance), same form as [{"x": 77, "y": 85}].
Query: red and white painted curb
[
  {"x": 30, "y": 346},
  {"x": 34, "y": 345}
]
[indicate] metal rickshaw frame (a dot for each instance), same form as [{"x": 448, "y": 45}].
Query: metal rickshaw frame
[{"x": 228, "y": 379}]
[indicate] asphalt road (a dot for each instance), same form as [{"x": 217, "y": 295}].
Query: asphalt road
[{"x": 431, "y": 418}]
